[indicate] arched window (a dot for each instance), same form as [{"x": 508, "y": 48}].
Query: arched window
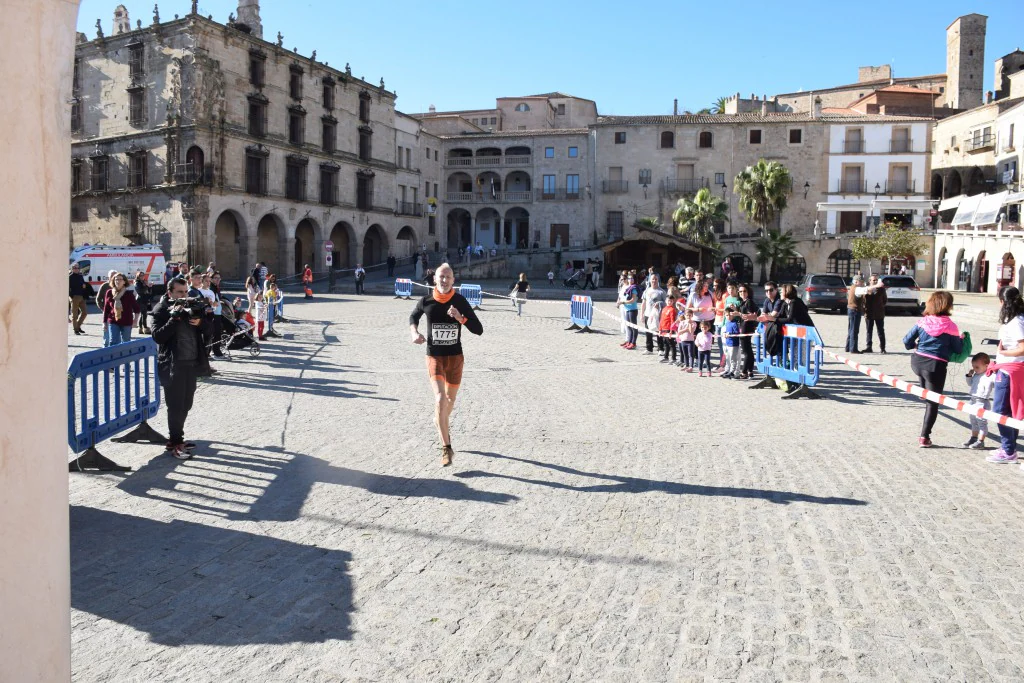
[
  {"x": 791, "y": 269},
  {"x": 842, "y": 263},
  {"x": 522, "y": 106},
  {"x": 705, "y": 140},
  {"x": 668, "y": 139}
]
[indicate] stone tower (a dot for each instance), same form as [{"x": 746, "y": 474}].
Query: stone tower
[
  {"x": 1006, "y": 65},
  {"x": 249, "y": 15},
  {"x": 965, "y": 61},
  {"x": 121, "y": 22}
]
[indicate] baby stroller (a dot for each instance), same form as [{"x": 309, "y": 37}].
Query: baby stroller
[
  {"x": 241, "y": 335},
  {"x": 574, "y": 281}
]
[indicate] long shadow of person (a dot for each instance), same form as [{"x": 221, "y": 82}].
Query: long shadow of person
[{"x": 637, "y": 485}]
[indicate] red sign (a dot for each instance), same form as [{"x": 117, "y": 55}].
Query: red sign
[
  {"x": 328, "y": 246},
  {"x": 933, "y": 212}
]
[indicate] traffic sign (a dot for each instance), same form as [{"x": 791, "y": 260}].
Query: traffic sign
[
  {"x": 330, "y": 259},
  {"x": 328, "y": 246}
]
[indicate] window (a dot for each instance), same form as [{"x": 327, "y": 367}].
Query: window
[
  {"x": 494, "y": 120},
  {"x": 435, "y": 155},
  {"x": 330, "y": 136},
  {"x": 295, "y": 83},
  {"x": 98, "y": 176},
  {"x": 796, "y": 136},
  {"x": 137, "y": 107},
  {"x": 257, "y": 69},
  {"x": 719, "y": 179},
  {"x": 365, "y": 143},
  {"x": 364, "y": 191},
  {"x": 76, "y": 77},
  {"x": 408, "y": 157},
  {"x": 705, "y": 140},
  {"x": 364, "y": 107},
  {"x": 549, "y": 187},
  {"x": 428, "y": 153},
  {"x": 644, "y": 177},
  {"x": 431, "y": 225},
  {"x": 256, "y": 173},
  {"x": 668, "y": 140},
  {"x": 328, "y": 98},
  {"x": 296, "y": 126},
  {"x": 328, "y": 184},
  {"x": 560, "y": 110},
  {"x": 614, "y": 225},
  {"x": 522, "y": 106},
  {"x": 76, "y": 117},
  {"x": 549, "y": 152},
  {"x": 841, "y": 262},
  {"x": 755, "y": 136},
  {"x": 295, "y": 178},
  {"x": 474, "y": 121},
  {"x": 257, "y": 117},
  {"x": 137, "y": 170},
  {"x": 435, "y": 190},
  {"x": 620, "y": 138},
  {"x": 574, "y": 152},
  {"x": 399, "y": 163},
  {"x": 77, "y": 177},
  {"x": 136, "y": 65},
  {"x": 572, "y": 186}
]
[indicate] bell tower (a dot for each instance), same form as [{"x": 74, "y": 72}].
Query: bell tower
[
  {"x": 965, "y": 61},
  {"x": 249, "y": 15}
]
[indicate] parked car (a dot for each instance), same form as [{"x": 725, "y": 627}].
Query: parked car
[
  {"x": 823, "y": 291},
  {"x": 903, "y": 292}
]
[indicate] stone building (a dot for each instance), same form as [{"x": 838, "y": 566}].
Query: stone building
[{"x": 220, "y": 146}]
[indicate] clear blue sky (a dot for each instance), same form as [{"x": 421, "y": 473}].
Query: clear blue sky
[{"x": 630, "y": 57}]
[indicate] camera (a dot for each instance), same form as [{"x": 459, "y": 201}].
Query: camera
[{"x": 191, "y": 307}]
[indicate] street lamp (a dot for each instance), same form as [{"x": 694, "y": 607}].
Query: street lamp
[
  {"x": 725, "y": 188},
  {"x": 875, "y": 219},
  {"x": 807, "y": 187}
]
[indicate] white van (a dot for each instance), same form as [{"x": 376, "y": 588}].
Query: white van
[{"x": 96, "y": 260}]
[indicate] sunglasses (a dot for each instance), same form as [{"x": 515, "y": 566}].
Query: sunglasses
[{"x": 769, "y": 289}]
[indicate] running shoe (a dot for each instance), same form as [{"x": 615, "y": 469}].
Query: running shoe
[
  {"x": 1001, "y": 457},
  {"x": 924, "y": 442},
  {"x": 181, "y": 451},
  {"x": 977, "y": 446},
  {"x": 447, "y": 456},
  {"x": 970, "y": 442}
]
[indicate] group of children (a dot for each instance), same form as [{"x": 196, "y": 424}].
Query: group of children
[{"x": 687, "y": 343}]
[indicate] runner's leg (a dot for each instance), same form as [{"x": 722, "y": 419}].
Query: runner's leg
[{"x": 441, "y": 409}]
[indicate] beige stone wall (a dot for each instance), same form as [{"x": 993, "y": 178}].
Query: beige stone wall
[
  {"x": 965, "y": 61},
  {"x": 539, "y": 116}
]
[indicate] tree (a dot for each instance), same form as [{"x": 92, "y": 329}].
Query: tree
[
  {"x": 762, "y": 190},
  {"x": 718, "y": 106},
  {"x": 892, "y": 242},
  {"x": 773, "y": 247},
  {"x": 695, "y": 218},
  {"x": 648, "y": 222}
]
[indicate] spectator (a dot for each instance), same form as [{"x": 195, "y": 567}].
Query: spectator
[
  {"x": 874, "y": 314},
  {"x": 257, "y": 275},
  {"x": 210, "y": 268},
  {"x": 700, "y": 302},
  {"x": 251, "y": 290},
  {"x": 551, "y": 277},
  {"x": 170, "y": 272},
  {"x": 981, "y": 397},
  {"x": 628, "y": 300},
  {"x": 101, "y": 297},
  {"x": 748, "y": 312},
  {"x": 360, "y": 276},
  {"x": 520, "y": 289},
  {"x": 120, "y": 311},
  {"x": 794, "y": 310},
  {"x": 666, "y": 327},
  {"x": 704, "y": 341},
  {"x": 933, "y": 340},
  {"x": 428, "y": 278},
  {"x": 263, "y": 273},
  {"x": 772, "y": 306},
  {"x": 727, "y": 269},
  {"x": 855, "y": 310},
  {"x": 78, "y": 290},
  {"x": 730, "y": 331},
  {"x": 271, "y": 297},
  {"x": 686, "y": 334},
  {"x": 307, "y": 281},
  {"x": 687, "y": 282},
  {"x": 143, "y": 295},
  {"x": 392, "y": 261},
  {"x": 275, "y": 309},
  {"x": 1008, "y": 387},
  {"x": 651, "y": 303}
]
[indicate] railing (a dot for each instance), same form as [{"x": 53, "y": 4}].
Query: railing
[
  {"x": 489, "y": 197},
  {"x": 852, "y": 186},
  {"x": 981, "y": 142},
  {"x": 900, "y": 186},
  {"x": 488, "y": 160},
  {"x": 463, "y": 197},
  {"x": 901, "y": 146},
  {"x": 458, "y": 161},
  {"x": 517, "y": 196},
  {"x": 522, "y": 160},
  {"x": 559, "y": 193},
  {"x": 409, "y": 208},
  {"x": 853, "y": 146},
  {"x": 615, "y": 186},
  {"x": 684, "y": 185}
]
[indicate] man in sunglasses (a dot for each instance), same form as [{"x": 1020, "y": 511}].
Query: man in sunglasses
[{"x": 772, "y": 305}]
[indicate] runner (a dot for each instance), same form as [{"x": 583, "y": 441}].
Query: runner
[{"x": 447, "y": 311}]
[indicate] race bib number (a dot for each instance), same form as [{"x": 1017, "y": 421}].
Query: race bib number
[{"x": 444, "y": 334}]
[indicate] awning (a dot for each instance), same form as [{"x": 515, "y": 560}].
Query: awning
[
  {"x": 911, "y": 204},
  {"x": 1014, "y": 198},
  {"x": 988, "y": 210},
  {"x": 952, "y": 202},
  {"x": 965, "y": 211},
  {"x": 841, "y": 206}
]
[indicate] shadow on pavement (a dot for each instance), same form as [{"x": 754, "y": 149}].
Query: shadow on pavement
[
  {"x": 186, "y": 583},
  {"x": 637, "y": 485},
  {"x": 272, "y": 484},
  {"x": 331, "y": 388}
]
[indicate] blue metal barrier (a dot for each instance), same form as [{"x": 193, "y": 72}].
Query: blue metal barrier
[
  {"x": 473, "y": 295},
  {"x": 403, "y": 288},
  {"x": 109, "y": 391},
  {"x": 581, "y": 313},
  {"x": 799, "y": 360}
]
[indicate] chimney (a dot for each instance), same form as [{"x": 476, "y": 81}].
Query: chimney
[
  {"x": 121, "y": 22},
  {"x": 817, "y": 107},
  {"x": 249, "y": 16},
  {"x": 432, "y": 109},
  {"x": 988, "y": 97},
  {"x": 675, "y": 107},
  {"x": 764, "y": 107}
]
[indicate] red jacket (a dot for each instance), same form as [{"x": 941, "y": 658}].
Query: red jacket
[
  {"x": 307, "y": 276},
  {"x": 1016, "y": 373},
  {"x": 129, "y": 309}
]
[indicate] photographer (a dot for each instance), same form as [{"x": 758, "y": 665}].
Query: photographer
[{"x": 179, "y": 326}]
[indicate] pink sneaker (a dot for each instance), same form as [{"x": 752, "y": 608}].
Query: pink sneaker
[
  {"x": 924, "y": 442},
  {"x": 1001, "y": 457}
]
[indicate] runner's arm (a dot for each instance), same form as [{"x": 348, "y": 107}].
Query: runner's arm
[
  {"x": 414, "y": 322},
  {"x": 472, "y": 322}
]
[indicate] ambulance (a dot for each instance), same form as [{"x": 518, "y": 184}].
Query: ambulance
[{"x": 96, "y": 260}]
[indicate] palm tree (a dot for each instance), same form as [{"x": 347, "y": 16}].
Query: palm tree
[
  {"x": 762, "y": 190},
  {"x": 649, "y": 223},
  {"x": 771, "y": 249},
  {"x": 718, "y": 106},
  {"x": 695, "y": 218}
]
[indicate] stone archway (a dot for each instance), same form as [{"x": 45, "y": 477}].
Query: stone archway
[
  {"x": 406, "y": 243},
  {"x": 954, "y": 184},
  {"x": 460, "y": 229},
  {"x": 517, "y": 223},
  {"x": 937, "y": 186},
  {"x": 943, "y": 269},
  {"x": 344, "y": 239},
  {"x": 269, "y": 234},
  {"x": 375, "y": 246},
  {"x": 305, "y": 245},
  {"x": 227, "y": 243},
  {"x": 963, "y": 273}
]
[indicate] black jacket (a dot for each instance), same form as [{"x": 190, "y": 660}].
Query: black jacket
[
  {"x": 167, "y": 330},
  {"x": 77, "y": 286},
  {"x": 794, "y": 312}
]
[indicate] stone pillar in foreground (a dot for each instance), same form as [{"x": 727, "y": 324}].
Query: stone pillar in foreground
[{"x": 37, "y": 47}]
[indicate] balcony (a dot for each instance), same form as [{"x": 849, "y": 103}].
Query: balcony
[
  {"x": 853, "y": 146},
  {"x": 409, "y": 208},
  {"x": 615, "y": 186},
  {"x": 558, "y": 194},
  {"x": 900, "y": 187},
  {"x": 901, "y": 146},
  {"x": 492, "y": 161},
  {"x": 847, "y": 186},
  {"x": 520, "y": 160},
  {"x": 458, "y": 161},
  {"x": 683, "y": 185},
  {"x": 489, "y": 197},
  {"x": 980, "y": 143}
]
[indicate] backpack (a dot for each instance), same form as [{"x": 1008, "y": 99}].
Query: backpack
[{"x": 965, "y": 351}]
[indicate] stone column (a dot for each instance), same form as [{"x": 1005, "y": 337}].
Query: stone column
[
  {"x": 319, "y": 262},
  {"x": 36, "y": 57},
  {"x": 286, "y": 257},
  {"x": 472, "y": 231}
]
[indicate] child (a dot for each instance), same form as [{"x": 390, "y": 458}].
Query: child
[
  {"x": 665, "y": 326},
  {"x": 684, "y": 335},
  {"x": 730, "y": 332},
  {"x": 981, "y": 397},
  {"x": 551, "y": 278},
  {"x": 704, "y": 341}
]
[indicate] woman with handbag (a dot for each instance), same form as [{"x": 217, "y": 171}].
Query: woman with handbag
[{"x": 519, "y": 291}]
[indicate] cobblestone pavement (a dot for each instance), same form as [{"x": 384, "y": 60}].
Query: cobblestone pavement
[{"x": 607, "y": 518}]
